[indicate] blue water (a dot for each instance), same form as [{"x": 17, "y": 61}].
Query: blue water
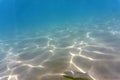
[
  {"x": 22, "y": 14},
  {"x": 48, "y": 39}
]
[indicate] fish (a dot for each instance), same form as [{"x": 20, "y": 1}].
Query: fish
[{"x": 75, "y": 75}]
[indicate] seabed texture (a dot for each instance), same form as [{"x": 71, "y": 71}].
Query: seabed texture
[{"x": 64, "y": 53}]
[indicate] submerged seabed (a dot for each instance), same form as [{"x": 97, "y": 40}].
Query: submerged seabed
[{"x": 66, "y": 52}]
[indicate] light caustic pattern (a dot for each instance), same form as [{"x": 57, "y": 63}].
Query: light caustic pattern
[{"x": 63, "y": 54}]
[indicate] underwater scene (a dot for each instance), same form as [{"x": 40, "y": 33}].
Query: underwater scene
[{"x": 59, "y": 39}]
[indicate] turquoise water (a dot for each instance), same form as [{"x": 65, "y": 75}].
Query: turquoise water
[{"x": 59, "y": 39}]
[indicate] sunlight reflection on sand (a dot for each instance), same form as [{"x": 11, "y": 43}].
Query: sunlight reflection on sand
[{"x": 72, "y": 52}]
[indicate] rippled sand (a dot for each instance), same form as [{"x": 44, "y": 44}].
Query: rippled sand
[{"x": 64, "y": 54}]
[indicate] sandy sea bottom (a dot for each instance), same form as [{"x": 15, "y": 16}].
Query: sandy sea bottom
[{"x": 89, "y": 51}]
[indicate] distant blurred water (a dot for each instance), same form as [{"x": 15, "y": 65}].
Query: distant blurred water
[
  {"x": 20, "y": 15},
  {"x": 59, "y": 39}
]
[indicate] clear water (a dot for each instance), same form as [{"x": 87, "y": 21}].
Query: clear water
[{"x": 59, "y": 39}]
